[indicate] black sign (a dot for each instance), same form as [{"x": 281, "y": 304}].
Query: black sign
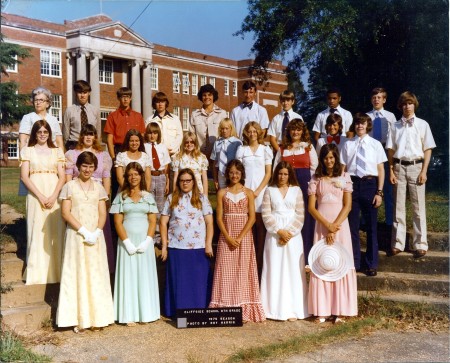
[{"x": 208, "y": 318}]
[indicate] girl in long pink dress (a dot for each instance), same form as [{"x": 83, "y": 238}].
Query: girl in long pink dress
[
  {"x": 235, "y": 276},
  {"x": 332, "y": 189}
]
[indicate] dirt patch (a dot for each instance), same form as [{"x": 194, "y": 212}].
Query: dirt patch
[{"x": 9, "y": 215}]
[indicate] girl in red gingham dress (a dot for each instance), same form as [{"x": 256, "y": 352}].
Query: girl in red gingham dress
[{"x": 235, "y": 276}]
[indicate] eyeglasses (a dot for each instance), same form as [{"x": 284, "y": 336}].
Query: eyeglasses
[
  {"x": 39, "y": 100},
  {"x": 185, "y": 181},
  {"x": 42, "y": 132},
  {"x": 189, "y": 142}
]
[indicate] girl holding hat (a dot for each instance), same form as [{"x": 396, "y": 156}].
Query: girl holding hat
[{"x": 332, "y": 288}]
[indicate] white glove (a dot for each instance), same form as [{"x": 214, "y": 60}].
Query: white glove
[
  {"x": 92, "y": 239},
  {"x": 131, "y": 249},
  {"x": 144, "y": 245},
  {"x": 88, "y": 237}
]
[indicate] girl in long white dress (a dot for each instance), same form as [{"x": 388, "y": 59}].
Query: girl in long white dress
[
  {"x": 283, "y": 282},
  {"x": 42, "y": 172},
  {"x": 257, "y": 160},
  {"x": 85, "y": 299}
]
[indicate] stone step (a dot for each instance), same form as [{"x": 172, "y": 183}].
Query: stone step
[
  {"x": 437, "y": 241},
  {"x": 434, "y": 263},
  {"x": 27, "y": 319},
  {"x": 23, "y": 295},
  {"x": 442, "y": 303},
  {"x": 405, "y": 283},
  {"x": 12, "y": 269}
]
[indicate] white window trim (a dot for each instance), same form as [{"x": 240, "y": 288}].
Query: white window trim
[
  {"x": 212, "y": 81},
  {"x": 15, "y": 67},
  {"x": 176, "y": 82},
  {"x": 102, "y": 72},
  {"x": 226, "y": 90},
  {"x": 234, "y": 85},
  {"x": 203, "y": 80},
  {"x": 186, "y": 84},
  {"x": 176, "y": 111},
  {"x": 17, "y": 149},
  {"x": 154, "y": 74},
  {"x": 185, "y": 119},
  {"x": 51, "y": 52},
  {"x": 194, "y": 84},
  {"x": 56, "y": 107}
]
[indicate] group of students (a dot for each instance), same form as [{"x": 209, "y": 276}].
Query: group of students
[{"x": 274, "y": 226}]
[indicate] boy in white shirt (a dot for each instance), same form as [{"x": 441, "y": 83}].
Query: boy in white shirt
[
  {"x": 333, "y": 101},
  {"x": 409, "y": 145},
  {"x": 277, "y": 127}
]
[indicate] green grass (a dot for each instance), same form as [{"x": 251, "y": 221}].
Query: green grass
[
  {"x": 13, "y": 350},
  {"x": 10, "y": 186},
  {"x": 374, "y": 313}
]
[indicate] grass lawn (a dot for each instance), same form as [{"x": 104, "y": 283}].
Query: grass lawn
[{"x": 437, "y": 201}]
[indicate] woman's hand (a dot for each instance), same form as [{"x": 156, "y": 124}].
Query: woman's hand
[
  {"x": 164, "y": 253},
  {"x": 333, "y": 227},
  {"x": 284, "y": 235},
  {"x": 209, "y": 251},
  {"x": 50, "y": 201},
  {"x": 216, "y": 185},
  {"x": 233, "y": 242},
  {"x": 330, "y": 238}
]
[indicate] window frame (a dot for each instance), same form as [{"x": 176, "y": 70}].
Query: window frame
[
  {"x": 226, "y": 87},
  {"x": 53, "y": 67},
  {"x": 56, "y": 107},
  {"x": 176, "y": 83},
  {"x": 185, "y": 83},
  {"x": 154, "y": 74},
  {"x": 102, "y": 72},
  {"x": 15, "y": 69},
  {"x": 185, "y": 119},
  {"x": 234, "y": 88},
  {"x": 194, "y": 84}
]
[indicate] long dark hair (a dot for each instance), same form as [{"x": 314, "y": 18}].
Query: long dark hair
[
  {"x": 33, "y": 134},
  {"x": 284, "y": 165},
  {"x": 86, "y": 131},
  {"x": 321, "y": 170},
  {"x": 196, "y": 202},
  {"x": 126, "y": 143},
  {"x": 126, "y": 184},
  {"x": 239, "y": 166}
]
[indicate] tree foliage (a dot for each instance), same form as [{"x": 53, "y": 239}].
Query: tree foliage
[{"x": 358, "y": 45}]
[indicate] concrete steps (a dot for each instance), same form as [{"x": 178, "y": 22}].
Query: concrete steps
[{"x": 28, "y": 318}]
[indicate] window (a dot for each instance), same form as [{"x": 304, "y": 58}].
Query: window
[
  {"x": 185, "y": 121},
  {"x": 12, "y": 68},
  {"x": 226, "y": 89},
  {"x": 13, "y": 148},
  {"x": 212, "y": 81},
  {"x": 105, "y": 73},
  {"x": 176, "y": 111},
  {"x": 186, "y": 84},
  {"x": 103, "y": 117},
  {"x": 50, "y": 63},
  {"x": 203, "y": 80},
  {"x": 56, "y": 108},
  {"x": 176, "y": 82},
  {"x": 234, "y": 88},
  {"x": 194, "y": 84},
  {"x": 154, "y": 77}
]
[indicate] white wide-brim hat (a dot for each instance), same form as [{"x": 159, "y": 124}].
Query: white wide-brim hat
[{"x": 329, "y": 262}]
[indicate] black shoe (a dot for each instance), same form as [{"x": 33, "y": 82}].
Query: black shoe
[
  {"x": 371, "y": 272},
  {"x": 419, "y": 253}
]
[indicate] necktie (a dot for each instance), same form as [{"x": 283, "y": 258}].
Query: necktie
[
  {"x": 84, "y": 119},
  {"x": 377, "y": 127},
  {"x": 333, "y": 110},
  {"x": 360, "y": 160},
  {"x": 335, "y": 138},
  {"x": 409, "y": 121},
  {"x": 249, "y": 105},
  {"x": 223, "y": 158},
  {"x": 155, "y": 158},
  {"x": 284, "y": 125}
]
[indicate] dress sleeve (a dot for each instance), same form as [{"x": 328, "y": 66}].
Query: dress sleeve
[
  {"x": 147, "y": 160},
  {"x": 121, "y": 160},
  {"x": 117, "y": 204},
  {"x": 107, "y": 165},
  {"x": 312, "y": 185},
  {"x": 61, "y": 158},
  {"x": 313, "y": 160},
  {"x": 24, "y": 154},
  {"x": 240, "y": 153},
  {"x": 348, "y": 188},
  {"x": 150, "y": 200},
  {"x": 102, "y": 192},
  {"x": 203, "y": 162},
  {"x": 166, "y": 211},
  {"x": 296, "y": 225},
  {"x": 206, "y": 206},
  {"x": 268, "y": 155},
  {"x": 266, "y": 211},
  {"x": 66, "y": 192}
]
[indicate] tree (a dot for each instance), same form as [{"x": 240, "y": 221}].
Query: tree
[
  {"x": 358, "y": 45},
  {"x": 13, "y": 105}
]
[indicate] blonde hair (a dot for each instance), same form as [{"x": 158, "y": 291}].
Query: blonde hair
[
  {"x": 196, "y": 152},
  {"x": 246, "y": 140},
  {"x": 227, "y": 122}
]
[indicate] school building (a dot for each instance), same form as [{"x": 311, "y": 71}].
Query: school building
[{"x": 109, "y": 55}]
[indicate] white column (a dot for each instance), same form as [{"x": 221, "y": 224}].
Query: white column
[
  {"x": 146, "y": 91},
  {"x": 81, "y": 66},
  {"x": 136, "y": 85},
  {"x": 69, "y": 78},
  {"x": 94, "y": 80}
]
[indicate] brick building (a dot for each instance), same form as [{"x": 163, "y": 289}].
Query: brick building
[{"x": 109, "y": 55}]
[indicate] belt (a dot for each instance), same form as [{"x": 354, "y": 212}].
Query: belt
[
  {"x": 158, "y": 172},
  {"x": 367, "y": 177},
  {"x": 406, "y": 162}
]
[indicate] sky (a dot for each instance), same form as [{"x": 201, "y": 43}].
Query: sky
[{"x": 204, "y": 26}]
